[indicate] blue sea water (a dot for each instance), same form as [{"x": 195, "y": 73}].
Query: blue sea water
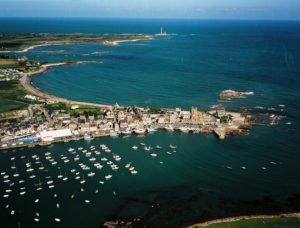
[{"x": 187, "y": 68}]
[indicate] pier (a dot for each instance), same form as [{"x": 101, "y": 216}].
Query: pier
[{"x": 220, "y": 132}]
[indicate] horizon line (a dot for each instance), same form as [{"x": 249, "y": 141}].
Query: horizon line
[{"x": 149, "y": 18}]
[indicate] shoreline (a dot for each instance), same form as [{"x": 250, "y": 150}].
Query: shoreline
[
  {"x": 240, "y": 218},
  {"x": 26, "y": 82},
  {"x": 104, "y": 42},
  {"x": 29, "y": 48}
]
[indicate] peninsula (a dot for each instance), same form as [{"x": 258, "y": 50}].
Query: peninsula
[
  {"x": 41, "y": 118},
  {"x": 25, "y": 42}
]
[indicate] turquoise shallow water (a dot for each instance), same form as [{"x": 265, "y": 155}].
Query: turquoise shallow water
[{"x": 189, "y": 67}]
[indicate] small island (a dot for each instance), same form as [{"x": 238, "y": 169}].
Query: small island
[{"x": 232, "y": 94}]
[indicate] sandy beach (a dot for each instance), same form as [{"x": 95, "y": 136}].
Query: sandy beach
[
  {"x": 29, "y": 48},
  {"x": 27, "y": 84}
]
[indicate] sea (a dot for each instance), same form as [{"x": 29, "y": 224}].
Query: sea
[{"x": 203, "y": 178}]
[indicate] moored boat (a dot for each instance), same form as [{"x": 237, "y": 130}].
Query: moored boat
[{"x": 140, "y": 131}]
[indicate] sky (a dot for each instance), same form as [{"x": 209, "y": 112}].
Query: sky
[{"x": 201, "y": 9}]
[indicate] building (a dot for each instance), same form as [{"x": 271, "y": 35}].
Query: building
[
  {"x": 48, "y": 136},
  {"x": 196, "y": 115}
]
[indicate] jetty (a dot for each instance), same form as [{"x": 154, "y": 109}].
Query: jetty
[{"x": 220, "y": 132}]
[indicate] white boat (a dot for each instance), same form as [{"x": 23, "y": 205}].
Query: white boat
[
  {"x": 150, "y": 129},
  {"x": 57, "y": 219},
  {"x": 12, "y": 212},
  {"x": 65, "y": 179},
  {"x": 22, "y": 193},
  {"x": 169, "y": 153},
  {"x": 36, "y": 201},
  {"x": 36, "y": 219},
  {"x": 87, "y": 137},
  {"x": 184, "y": 129},
  {"x": 158, "y": 147},
  {"x": 134, "y": 172},
  {"x": 70, "y": 149},
  {"x": 57, "y": 205},
  {"x": 172, "y": 147},
  {"x": 113, "y": 133},
  {"x": 134, "y": 147},
  {"x": 127, "y": 131},
  {"x": 87, "y": 201},
  {"x": 83, "y": 180},
  {"x": 91, "y": 174},
  {"x": 154, "y": 155},
  {"x": 147, "y": 148},
  {"x": 127, "y": 166},
  {"x": 169, "y": 127},
  {"x": 108, "y": 177}
]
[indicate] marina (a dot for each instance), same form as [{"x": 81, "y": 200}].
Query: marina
[{"x": 115, "y": 169}]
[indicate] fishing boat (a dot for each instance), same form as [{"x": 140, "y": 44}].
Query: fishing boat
[{"x": 140, "y": 131}]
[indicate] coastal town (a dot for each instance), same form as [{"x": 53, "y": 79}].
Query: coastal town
[
  {"x": 43, "y": 124},
  {"x": 49, "y": 119}
]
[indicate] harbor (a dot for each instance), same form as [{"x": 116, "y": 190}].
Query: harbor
[{"x": 108, "y": 175}]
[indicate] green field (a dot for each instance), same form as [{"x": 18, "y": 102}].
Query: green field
[
  {"x": 264, "y": 223},
  {"x": 83, "y": 109},
  {"x": 12, "y": 96}
]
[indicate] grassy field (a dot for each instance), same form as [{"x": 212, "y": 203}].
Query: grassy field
[
  {"x": 83, "y": 109},
  {"x": 264, "y": 223},
  {"x": 8, "y": 62},
  {"x": 12, "y": 96}
]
